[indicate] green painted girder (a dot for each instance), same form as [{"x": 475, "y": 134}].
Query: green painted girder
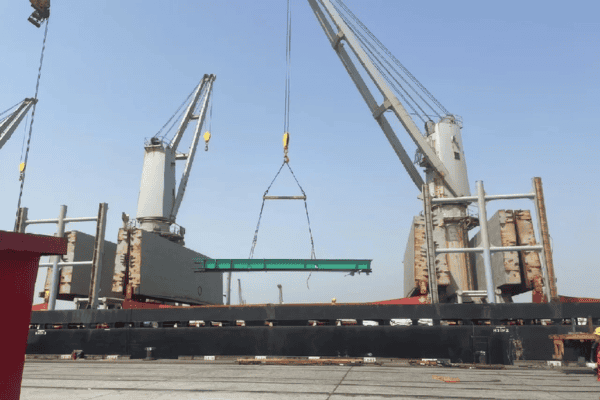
[{"x": 250, "y": 265}]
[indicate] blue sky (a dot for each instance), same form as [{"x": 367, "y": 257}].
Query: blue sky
[{"x": 525, "y": 77}]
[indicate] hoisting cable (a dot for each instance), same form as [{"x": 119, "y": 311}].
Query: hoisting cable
[
  {"x": 288, "y": 72},
  {"x": 8, "y": 109},
  {"x": 379, "y": 62},
  {"x": 23, "y": 165},
  {"x": 286, "y": 140},
  {"x": 173, "y": 116},
  {"x": 393, "y": 58},
  {"x": 24, "y": 136},
  {"x": 207, "y": 134}
]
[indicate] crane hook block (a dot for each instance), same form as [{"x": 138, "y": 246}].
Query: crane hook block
[
  {"x": 206, "y": 139},
  {"x": 22, "y": 167},
  {"x": 286, "y": 140},
  {"x": 41, "y": 12}
]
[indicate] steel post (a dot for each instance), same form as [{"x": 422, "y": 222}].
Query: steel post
[
  {"x": 98, "y": 256},
  {"x": 21, "y": 223},
  {"x": 229, "y": 288},
  {"x": 431, "y": 270},
  {"x": 546, "y": 255},
  {"x": 54, "y": 282},
  {"x": 485, "y": 243}
]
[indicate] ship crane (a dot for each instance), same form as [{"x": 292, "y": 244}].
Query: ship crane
[
  {"x": 437, "y": 266},
  {"x": 439, "y": 148},
  {"x": 158, "y": 202}
]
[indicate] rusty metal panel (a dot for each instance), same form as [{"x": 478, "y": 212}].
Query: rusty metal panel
[
  {"x": 505, "y": 265},
  {"x": 532, "y": 267},
  {"x": 135, "y": 259},
  {"x": 451, "y": 269},
  {"x": 416, "y": 275},
  {"x": 75, "y": 280},
  {"x": 121, "y": 260},
  {"x": 458, "y": 263}
]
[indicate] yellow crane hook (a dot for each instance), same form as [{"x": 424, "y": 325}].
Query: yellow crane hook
[
  {"x": 286, "y": 142},
  {"x": 206, "y": 140}
]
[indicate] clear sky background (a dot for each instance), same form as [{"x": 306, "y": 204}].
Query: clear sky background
[{"x": 524, "y": 75}]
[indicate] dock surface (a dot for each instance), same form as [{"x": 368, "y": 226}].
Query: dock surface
[{"x": 148, "y": 380}]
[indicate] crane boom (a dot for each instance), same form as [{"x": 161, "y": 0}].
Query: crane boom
[
  {"x": 10, "y": 124},
  {"x": 391, "y": 102},
  {"x": 206, "y": 88}
]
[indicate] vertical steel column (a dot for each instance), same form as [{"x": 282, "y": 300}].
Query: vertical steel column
[
  {"x": 280, "y": 293},
  {"x": 96, "y": 275},
  {"x": 485, "y": 243},
  {"x": 431, "y": 269},
  {"x": 229, "y": 288},
  {"x": 546, "y": 254},
  {"x": 54, "y": 282},
  {"x": 21, "y": 222}
]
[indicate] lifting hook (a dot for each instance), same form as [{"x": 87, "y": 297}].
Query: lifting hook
[{"x": 286, "y": 142}]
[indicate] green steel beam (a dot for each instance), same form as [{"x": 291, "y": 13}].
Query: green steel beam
[{"x": 250, "y": 265}]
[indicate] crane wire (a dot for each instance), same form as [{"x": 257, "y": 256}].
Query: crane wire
[
  {"x": 286, "y": 125},
  {"x": 288, "y": 71},
  {"x": 173, "y": 116},
  {"x": 312, "y": 243},
  {"x": 8, "y": 109},
  {"x": 378, "y": 60},
  {"x": 24, "y": 136},
  {"x": 37, "y": 86},
  {"x": 389, "y": 54}
]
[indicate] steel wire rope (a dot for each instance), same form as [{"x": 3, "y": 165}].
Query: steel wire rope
[
  {"x": 389, "y": 77},
  {"x": 381, "y": 59},
  {"x": 397, "y": 74},
  {"x": 396, "y": 61},
  {"x": 378, "y": 62},
  {"x": 8, "y": 109},
  {"x": 286, "y": 129},
  {"x": 312, "y": 242},
  {"x": 37, "y": 86},
  {"x": 380, "y": 68},
  {"x": 261, "y": 211},
  {"x": 173, "y": 116},
  {"x": 24, "y": 136},
  {"x": 288, "y": 69},
  {"x": 211, "y": 100}
]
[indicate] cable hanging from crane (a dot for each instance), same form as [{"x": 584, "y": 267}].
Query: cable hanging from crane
[
  {"x": 23, "y": 165},
  {"x": 288, "y": 72},
  {"x": 286, "y": 141},
  {"x": 414, "y": 95},
  {"x": 9, "y": 109},
  {"x": 177, "y": 113}
]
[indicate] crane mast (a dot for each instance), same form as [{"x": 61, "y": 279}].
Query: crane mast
[
  {"x": 439, "y": 149},
  {"x": 157, "y": 203}
]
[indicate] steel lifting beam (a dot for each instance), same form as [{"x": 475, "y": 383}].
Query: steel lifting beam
[{"x": 250, "y": 265}]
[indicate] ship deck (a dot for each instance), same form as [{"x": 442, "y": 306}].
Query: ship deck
[{"x": 225, "y": 379}]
